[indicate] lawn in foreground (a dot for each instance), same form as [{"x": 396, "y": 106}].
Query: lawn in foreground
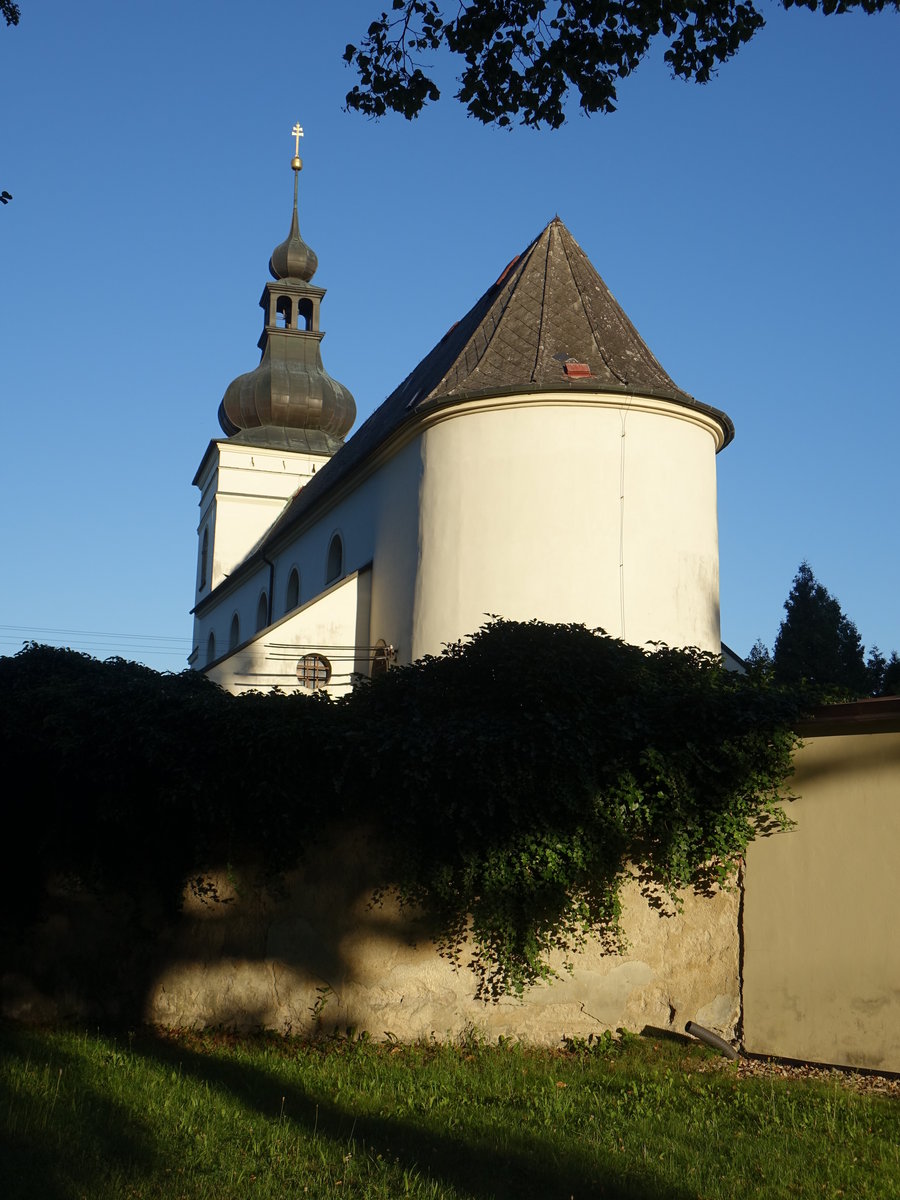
[{"x": 204, "y": 1116}]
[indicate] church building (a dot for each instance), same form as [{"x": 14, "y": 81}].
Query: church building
[{"x": 537, "y": 463}]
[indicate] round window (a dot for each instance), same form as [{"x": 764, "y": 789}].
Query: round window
[{"x": 313, "y": 671}]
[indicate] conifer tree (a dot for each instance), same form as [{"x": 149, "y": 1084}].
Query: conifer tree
[
  {"x": 890, "y": 680},
  {"x": 876, "y": 665},
  {"x": 817, "y": 641}
]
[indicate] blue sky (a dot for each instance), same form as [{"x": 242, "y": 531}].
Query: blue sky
[{"x": 749, "y": 228}]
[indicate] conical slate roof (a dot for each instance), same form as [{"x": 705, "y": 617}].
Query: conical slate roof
[
  {"x": 548, "y": 309},
  {"x": 549, "y": 323}
]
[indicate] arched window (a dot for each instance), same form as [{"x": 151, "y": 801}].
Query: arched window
[
  {"x": 234, "y": 635},
  {"x": 293, "y": 590},
  {"x": 335, "y": 565},
  {"x": 304, "y": 313},
  {"x": 283, "y": 309},
  {"x": 262, "y": 612},
  {"x": 211, "y": 647},
  {"x": 204, "y": 553},
  {"x": 313, "y": 671}
]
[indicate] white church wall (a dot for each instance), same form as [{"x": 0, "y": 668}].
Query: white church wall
[
  {"x": 332, "y": 625},
  {"x": 243, "y": 491},
  {"x": 523, "y": 514},
  {"x": 671, "y": 538},
  {"x": 310, "y": 550},
  {"x": 378, "y": 524},
  {"x": 240, "y": 523},
  {"x": 242, "y": 601},
  {"x": 396, "y": 548},
  {"x": 552, "y": 507}
]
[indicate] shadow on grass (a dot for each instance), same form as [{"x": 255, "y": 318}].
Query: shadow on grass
[
  {"x": 532, "y": 1170},
  {"x": 61, "y": 1138}
]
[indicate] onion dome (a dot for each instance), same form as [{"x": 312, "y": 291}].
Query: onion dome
[
  {"x": 292, "y": 258},
  {"x": 289, "y": 391},
  {"x": 290, "y": 400}
]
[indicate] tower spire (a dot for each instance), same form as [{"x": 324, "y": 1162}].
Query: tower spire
[
  {"x": 292, "y": 258},
  {"x": 290, "y": 398},
  {"x": 296, "y": 167}
]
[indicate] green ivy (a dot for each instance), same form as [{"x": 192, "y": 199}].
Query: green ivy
[
  {"x": 514, "y": 782},
  {"x": 523, "y": 775}
]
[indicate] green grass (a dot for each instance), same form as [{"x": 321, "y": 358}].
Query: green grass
[{"x": 219, "y": 1117}]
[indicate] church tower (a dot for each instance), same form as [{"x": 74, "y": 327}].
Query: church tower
[
  {"x": 283, "y": 420},
  {"x": 539, "y": 463}
]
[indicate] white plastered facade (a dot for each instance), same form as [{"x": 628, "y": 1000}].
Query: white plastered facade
[{"x": 589, "y": 507}]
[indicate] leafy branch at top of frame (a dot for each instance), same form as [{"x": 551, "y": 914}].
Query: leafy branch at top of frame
[{"x": 522, "y": 59}]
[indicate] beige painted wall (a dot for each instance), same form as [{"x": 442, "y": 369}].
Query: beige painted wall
[{"x": 821, "y": 974}]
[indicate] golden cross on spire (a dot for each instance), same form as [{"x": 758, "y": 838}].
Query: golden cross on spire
[{"x": 297, "y": 161}]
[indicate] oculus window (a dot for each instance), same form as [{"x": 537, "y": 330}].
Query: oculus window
[{"x": 313, "y": 671}]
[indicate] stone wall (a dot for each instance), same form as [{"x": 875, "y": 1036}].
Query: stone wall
[
  {"x": 818, "y": 979},
  {"x": 320, "y": 955}
]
